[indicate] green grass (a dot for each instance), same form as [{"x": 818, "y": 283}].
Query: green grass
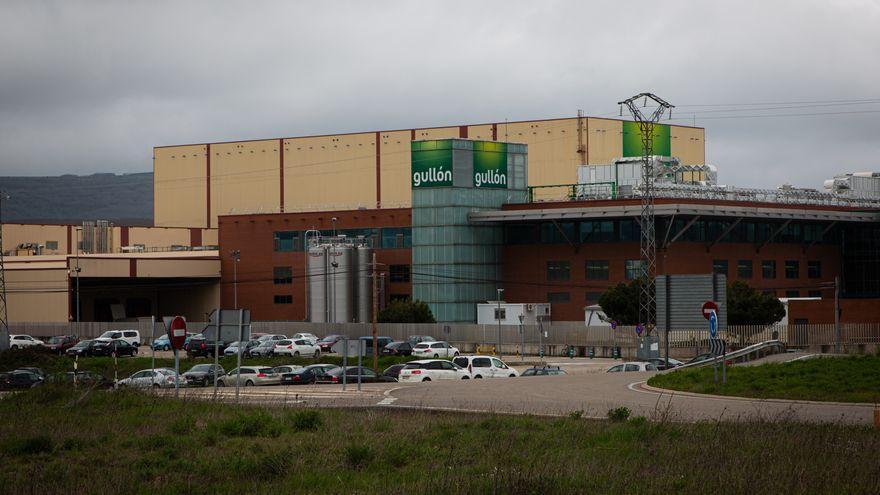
[
  {"x": 844, "y": 379},
  {"x": 66, "y": 442},
  {"x": 51, "y": 363}
]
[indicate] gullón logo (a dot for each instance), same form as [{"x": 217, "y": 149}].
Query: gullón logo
[
  {"x": 432, "y": 176},
  {"x": 490, "y": 178}
]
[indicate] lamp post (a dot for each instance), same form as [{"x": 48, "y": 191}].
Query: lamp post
[
  {"x": 79, "y": 232},
  {"x": 522, "y": 338},
  {"x": 498, "y": 317},
  {"x": 236, "y": 257}
]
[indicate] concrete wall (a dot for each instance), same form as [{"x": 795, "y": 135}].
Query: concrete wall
[
  {"x": 37, "y": 295},
  {"x": 17, "y": 233},
  {"x": 347, "y": 171}
]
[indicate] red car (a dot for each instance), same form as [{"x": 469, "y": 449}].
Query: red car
[
  {"x": 61, "y": 343},
  {"x": 326, "y": 344}
]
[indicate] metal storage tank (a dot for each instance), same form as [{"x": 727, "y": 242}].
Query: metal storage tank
[
  {"x": 364, "y": 289},
  {"x": 317, "y": 273},
  {"x": 340, "y": 273}
]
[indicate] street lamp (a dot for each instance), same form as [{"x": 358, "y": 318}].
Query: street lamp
[
  {"x": 236, "y": 257},
  {"x": 79, "y": 232},
  {"x": 522, "y": 338},
  {"x": 498, "y": 317}
]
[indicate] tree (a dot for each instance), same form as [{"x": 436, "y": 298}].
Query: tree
[
  {"x": 747, "y": 306},
  {"x": 406, "y": 311},
  {"x": 621, "y": 303}
]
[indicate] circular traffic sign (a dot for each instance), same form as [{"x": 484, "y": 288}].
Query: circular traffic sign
[
  {"x": 709, "y": 307},
  {"x": 639, "y": 329},
  {"x": 177, "y": 332},
  {"x": 713, "y": 324}
]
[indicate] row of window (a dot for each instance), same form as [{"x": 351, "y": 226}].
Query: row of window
[
  {"x": 598, "y": 269},
  {"x": 593, "y": 297},
  {"x": 283, "y": 275},
  {"x": 386, "y": 238},
  {"x": 628, "y": 230}
]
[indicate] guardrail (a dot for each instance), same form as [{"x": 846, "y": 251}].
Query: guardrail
[{"x": 761, "y": 349}]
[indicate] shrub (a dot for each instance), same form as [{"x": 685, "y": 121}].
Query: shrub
[
  {"x": 36, "y": 444},
  {"x": 358, "y": 456},
  {"x": 249, "y": 424},
  {"x": 619, "y": 414},
  {"x": 576, "y": 414},
  {"x": 305, "y": 420}
]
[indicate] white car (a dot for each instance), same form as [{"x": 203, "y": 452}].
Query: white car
[
  {"x": 133, "y": 337},
  {"x": 296, "y": 348},
  {"x": 434, "y": 350},
  {"x": 22, "y": 341},
  {"x": 305, "y": 336},
  {"x": 432, "y": 369},
  {"x": 271, "y": 336},
  {"x": 156, "y": 378},
  {"x": 632, "y": 366},
  {"x": 486, "y": 367}
]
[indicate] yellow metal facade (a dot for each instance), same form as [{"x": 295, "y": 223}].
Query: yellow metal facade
[
  {"x": 346, "y": 171},
  {"x": 52, "y": 237}
]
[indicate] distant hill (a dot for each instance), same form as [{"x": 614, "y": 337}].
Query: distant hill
[{"x": 125, "y": 199}]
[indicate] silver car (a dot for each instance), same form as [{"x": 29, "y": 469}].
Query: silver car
[
  {"x": 264, "y": 348},
  {"x": 250, "y": 376},
  {"x": 156, "y": 378}
]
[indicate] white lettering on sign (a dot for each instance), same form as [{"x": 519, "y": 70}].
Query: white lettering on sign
[
  {"x": 179, "y": 332},
  {"x": 489, "y": 177},
  {"x": 432, "y": 175}
]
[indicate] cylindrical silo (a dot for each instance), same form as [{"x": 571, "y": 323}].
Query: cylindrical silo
[
  {"x": 364, "y": 289},
  {"x": 317, "y": 273},
  {"x": 341, "y": 277}
]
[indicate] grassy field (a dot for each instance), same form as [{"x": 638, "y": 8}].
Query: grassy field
[
  {"x": 845, "y": 379},
  {"x": 68, "y": 442},
  {"x": 51, "y": 363}
]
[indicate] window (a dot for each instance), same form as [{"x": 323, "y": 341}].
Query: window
[
  {"x": 518, "y": 234},
  {"x": 744, "y": 268},
  {"x": 396, "y": 237},
  {"x": 558, "y": 233},
  {"x": 597, "y": 231},
  {"x": 629, "y": 230},
  {"x": 631, "y": 367},
  {"x": 633, "y": 269},
  {"x": 719, "y": 266},
  {"x": 558, "y": 270},
  {"x": 815, "y": 293},
  {"x": 498, "y": 364},
  {"x": 792, "y": 293},
  {"x": 53, "y": 245},
  {"x": 287, "y": 241},
  {"x": 593, "y": 297},
  {"x": 597, "y": 269},
  {"x": 283, "y": 275},
  {"x": 792, "y": 269},
  {"x": 398, "y": 273},
  {"x": 558, "y": 297},
  {"x": 814, "y": 269},
  {"x": 283, "y": 299},
  {"x": 768, "y": 268},
  {"x": 500, "y": 314},
  {"x": 399, "y": 297},
  {"x": 481, "y": 363}
]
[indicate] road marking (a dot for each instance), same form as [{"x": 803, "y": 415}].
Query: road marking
[{"x": 387, "y": 401}]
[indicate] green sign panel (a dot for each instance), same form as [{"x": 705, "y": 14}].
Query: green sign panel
[
  {"x": 632, "y": 140},
  {"x": 490, "y": 164},
  {"x": 431, "y": 163}
]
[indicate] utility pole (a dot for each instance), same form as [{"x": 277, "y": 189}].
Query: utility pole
[
  {"x": 582, "y": 143},
  {"x": 236, "y": 257},
  {"x": 648, "y": 242},
  {"x": 4, "y": 317},
  {"x": 375, "y": 315},
  {"x": 837, "y": 315},
  {"x": 498, "y": 317}
]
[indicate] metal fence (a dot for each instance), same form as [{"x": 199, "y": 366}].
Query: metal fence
[{"x": 557, "y": 338}]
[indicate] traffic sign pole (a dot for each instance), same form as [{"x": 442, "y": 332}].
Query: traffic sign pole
[{"x": 176, "y": 373}]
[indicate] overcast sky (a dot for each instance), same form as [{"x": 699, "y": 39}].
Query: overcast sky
[{"x": 92, "y": 86}]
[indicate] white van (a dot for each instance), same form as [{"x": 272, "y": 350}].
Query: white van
[
  {"x": 485, "y": 367},
  {"x": 133, "y": 337}
]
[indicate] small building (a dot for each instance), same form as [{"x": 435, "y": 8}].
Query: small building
[{"x": 510, "y": 313}]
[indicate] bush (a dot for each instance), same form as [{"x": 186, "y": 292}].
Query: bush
[
  {"x": 576, "y": 414},
  {"x": 305, "y": 419},
  {"x": 358, "y": 456},
  {"x": 37, "y": 444},
  {"x": 619, "y": 414},
  {"x": 249, "y": 424}
]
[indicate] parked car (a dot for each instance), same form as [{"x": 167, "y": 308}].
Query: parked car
[
  {"x": 702, "y": 357},
  {"x": 306, "y": 375},
  {"x": 20, "y": 341},
  {"x": 264, "y": 348},
  {"x": 382, "y": 341},
  {"x": 101, "y": 347},
  {"x": 19, "y": 380},
  {"x": 296, "y": 348},
  {"x": 632, "y": 366},
  {"x": 232, "y": 350},
  {"x": 61, "y": 343},
  {"x": 271, "y": 336},
  {"x": 199, "y": 346},
  {"x": 162, "y": 343},
  {"x": 367, "y": 375},
  {"x": 415, "y": 339},
  {"x": 287, "y": 368},
  {"x": 202, "y": 375},
  {"x": 434, "y": 349},
  {"x": 326, "y": 344},
  {"x": 432, "y": 369},
  {"x": 155, "y": 378},
  {"x": 544, "y": 371},
  {"x": 393, "y": 371},
  {"x": 249, "y": 376},
  {"x": 660, "y": 363},
  {"x": 305, "y": 336},
  {"x": 81, "y": 348},
  {"x": 84, "y": 378},
  {"x": 485, "y": 367},
  {"x": 397, "y": 349},
  {"x": 133, "y": 337},
  {"x": 37, "y": 371}
]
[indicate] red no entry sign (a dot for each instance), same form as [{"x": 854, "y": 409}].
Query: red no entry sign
[
  {"x": 709, "y": 307},
  {"x": 177, "y": 332}
]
